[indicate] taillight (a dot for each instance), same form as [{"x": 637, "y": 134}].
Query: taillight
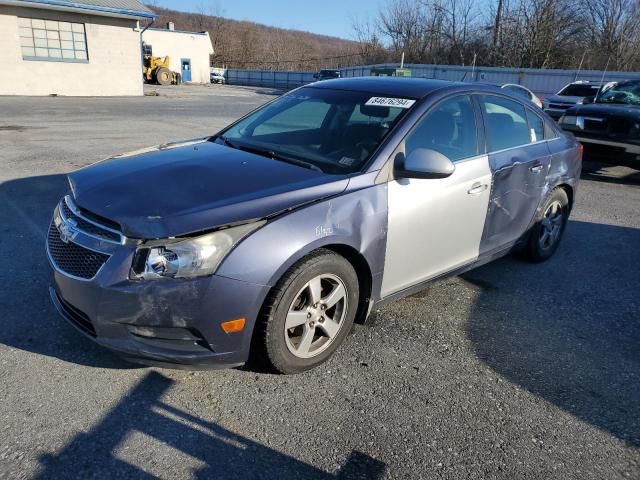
[{"x": 580, "y": 149}]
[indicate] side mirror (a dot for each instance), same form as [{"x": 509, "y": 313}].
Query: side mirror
[
  {"x": 588, "y": 100},
  {"x": 315, "y": 75},
  {"x": 425, "y": 163}
]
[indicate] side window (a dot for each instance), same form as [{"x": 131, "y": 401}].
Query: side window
[
  {"x": 507, "y": 125},
  {"x": 450, "y": 129},
  {"x": 549, "y": 131},
  {"x": 300, "y": 116},
  {"x": 536, "y": 127}
]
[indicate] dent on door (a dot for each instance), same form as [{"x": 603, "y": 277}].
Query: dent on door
[{"x": 518, "y": 182}]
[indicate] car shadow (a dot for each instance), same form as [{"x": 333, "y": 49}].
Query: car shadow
[
  {"x": 610, "y": 172},
  {"x": 29, "y": 322},
  {"x": 568, "y": 330},
  {"x": 101, "y": 452}
]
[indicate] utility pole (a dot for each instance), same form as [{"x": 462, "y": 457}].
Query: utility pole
[{"x": 497, "y": 25}]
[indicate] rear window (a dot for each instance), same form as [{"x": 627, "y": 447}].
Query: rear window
[
  {"x": 578, "y": 90},
  {"x": 518, "y": 91}
]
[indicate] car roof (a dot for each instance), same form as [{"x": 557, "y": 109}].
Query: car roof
[
  {"x": 585, "y": 82},
  {"x": 398, "y": 86},
  {"x": 629, "y": 82}
]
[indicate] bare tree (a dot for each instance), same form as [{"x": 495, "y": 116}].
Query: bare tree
[{"x": 614, "y": 26}]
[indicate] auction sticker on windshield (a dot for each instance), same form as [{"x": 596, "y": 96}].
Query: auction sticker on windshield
[{"x": 390, "y": 102}]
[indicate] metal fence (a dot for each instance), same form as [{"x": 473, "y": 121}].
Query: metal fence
[{"x": 543, "y": 82}]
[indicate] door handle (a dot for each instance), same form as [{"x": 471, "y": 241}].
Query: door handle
[
  {"x": 477, "y": 188},
  {"x": 536, "y": 168}
]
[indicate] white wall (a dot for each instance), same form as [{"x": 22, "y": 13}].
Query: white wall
[
  {"x": 178, "y": 45},
  {"x": 114, "y": 66}
]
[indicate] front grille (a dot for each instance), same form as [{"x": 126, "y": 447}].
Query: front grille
[
  {"x": 87, "y": 226},
  {"x": 77, "y": 317},
  {"x": 73, "y": 259}
]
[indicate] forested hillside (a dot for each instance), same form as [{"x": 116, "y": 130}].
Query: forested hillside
[{"x": 244, "y": 44}]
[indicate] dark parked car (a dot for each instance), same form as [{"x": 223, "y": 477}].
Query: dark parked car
[
  {"x": 274, "y": 235},
  {"x": 576, "y": 93},
  {"x": 609, "y": 128},
  {"x": 327, "y": 74}
]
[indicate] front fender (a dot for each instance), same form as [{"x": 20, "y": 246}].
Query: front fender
[{"x": 357, "y": 219}]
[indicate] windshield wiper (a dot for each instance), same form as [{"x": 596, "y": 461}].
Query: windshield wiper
[
  {"x": 293, "y": 161},
  {"x": 270, "y": 154},
  {"x": 227, "y": 142}
]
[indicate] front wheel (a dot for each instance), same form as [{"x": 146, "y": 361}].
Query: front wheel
[
  {"x": 309, "y": 313},
  {"x": 547, "y": 232}
]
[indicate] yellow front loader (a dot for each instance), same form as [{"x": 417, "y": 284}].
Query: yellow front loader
[{"x": 157, "y": 70}]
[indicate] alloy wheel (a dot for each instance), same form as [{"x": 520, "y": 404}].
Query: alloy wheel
[
  {"x": 316, "y": 316},
  {"x": 551, "y": 225}
]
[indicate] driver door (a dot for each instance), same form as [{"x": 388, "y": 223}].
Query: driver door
[{"x": 435, "y": 225}]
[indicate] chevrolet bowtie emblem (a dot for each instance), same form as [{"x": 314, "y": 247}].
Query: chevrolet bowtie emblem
[{"x": 68, "y": 230}]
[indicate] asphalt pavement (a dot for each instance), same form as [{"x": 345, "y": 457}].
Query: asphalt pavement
[{"x": 511, "y": 371}]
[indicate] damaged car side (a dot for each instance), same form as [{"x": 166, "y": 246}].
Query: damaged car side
[{"x": 273, "y": 236}]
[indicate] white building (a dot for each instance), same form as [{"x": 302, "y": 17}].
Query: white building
[
  {"x": 189, "y": 52},
  {"x": 71, "y": 47}
]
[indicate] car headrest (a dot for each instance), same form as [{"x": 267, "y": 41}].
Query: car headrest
[
  {"x": 374, "y": 111},
  {"x": 442, "y": 127}
]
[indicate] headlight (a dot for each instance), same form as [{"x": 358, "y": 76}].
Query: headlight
[
  {"x": 568, "y": 119},
  {"x": 193, "y": 257}
]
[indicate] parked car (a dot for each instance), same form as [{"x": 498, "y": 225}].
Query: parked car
[
  {"x": 576, "y": 93},
  {"x": 217, "y": 78},
  {"x": 327, "y": 74},
  {"x": 274, "y": 235},
  {"x": 523, "y": 92},
  {"x": 610, "y": 127}
]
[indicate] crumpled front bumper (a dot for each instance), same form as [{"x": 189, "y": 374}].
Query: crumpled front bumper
[{"x": 112, "y": 310}]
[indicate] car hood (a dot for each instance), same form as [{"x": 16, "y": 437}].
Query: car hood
[
  {"x": 564, "y": 99},
  {"x": 606, "y": 110},
  {"x": 182, "y": 188}
]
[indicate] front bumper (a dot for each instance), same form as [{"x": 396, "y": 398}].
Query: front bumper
[
  {"x": 608, "y": 150},
  {"x": 111, "y": 309}
]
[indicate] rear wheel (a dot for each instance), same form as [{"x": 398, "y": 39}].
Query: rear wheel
[
  {"x": 547, "y": 232},
  {"x": 163, "y": 76},
  {"x": 309, "y": 313}
]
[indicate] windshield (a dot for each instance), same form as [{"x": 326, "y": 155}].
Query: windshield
[
  {"x": 335, "y": 131},
  {"x": 579, "y": 90},
  {"x": 625, "y": 93}
]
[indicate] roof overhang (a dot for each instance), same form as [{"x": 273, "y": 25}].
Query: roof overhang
[{"x": 78, "y": 7}]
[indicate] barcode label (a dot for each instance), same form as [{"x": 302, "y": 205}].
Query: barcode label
[{"x": 390, "y": 102}]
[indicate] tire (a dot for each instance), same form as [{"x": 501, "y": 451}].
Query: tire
[
  {"x": 163, "y": 76},
  {"x": 314, "y": 333},
  {"x": 547, "y": 232}
]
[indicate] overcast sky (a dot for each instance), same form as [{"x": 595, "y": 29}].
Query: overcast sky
[{"x": 328, "y": 17}]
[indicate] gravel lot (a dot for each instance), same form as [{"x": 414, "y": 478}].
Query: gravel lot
[{"x": 511, "y": 371}]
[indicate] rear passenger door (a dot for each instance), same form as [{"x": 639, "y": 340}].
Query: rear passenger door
[{"x": 519, "y": 159}]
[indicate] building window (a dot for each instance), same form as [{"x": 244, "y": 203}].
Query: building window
[{"x": 52, "y": 40}]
